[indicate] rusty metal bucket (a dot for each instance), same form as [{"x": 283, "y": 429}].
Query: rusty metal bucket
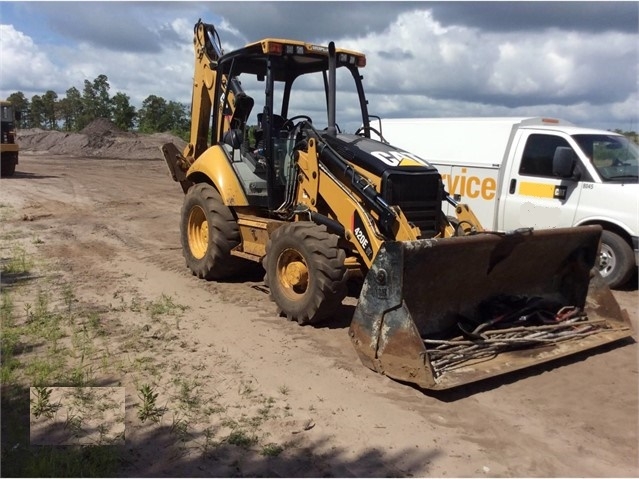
[{"x": 420, "y": 298}]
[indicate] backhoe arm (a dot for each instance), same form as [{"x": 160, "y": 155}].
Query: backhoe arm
[{"x": 207, "y": 53}]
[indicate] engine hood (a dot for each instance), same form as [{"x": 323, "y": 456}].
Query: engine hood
[{"x": 373, "y": 155}]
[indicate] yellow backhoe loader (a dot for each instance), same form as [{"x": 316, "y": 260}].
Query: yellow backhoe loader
[{"x": 269, "y": 177}]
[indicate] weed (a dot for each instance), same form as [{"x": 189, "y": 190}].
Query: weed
[
  {"x": 284, "y": 390},
  {"x": 272, "y": 449},
  {"x": 69, "y": 297},
  {"x": 135, "y": 307},
  {"x": 187, "y": 395},
  {"x": 42, "y": 306},
  {"x": 102, "y": 429},
  {"x": 9, "y": 339},
  {"x": 83, "y": 395},
  {"x": 180, "y": 427},
  {"x": 42, "y": 405},
  {"x": 201, "y": 366},
  {"x": 230, "y": 423},
  {"x": 9, "y": 363},
  {"x": 241, "y": 438},
  {"x": 79, "y": 377},
  {"x": 94, "y": 322},
  {"x": 164, "y": 306},
  {"x": 265, "y": 410},
  {"x": 41, "y": 371},
  {"x": 44, "y": 323},
  {"x": 73, "y": 423},
  {"x": 210, "y": 410},
  {"x": 6, "y": 310},
  {"x": 208, "y": 441},
  {"x": 245, "y": 388},
  {"x": 148, "y": 409},
  {"x": 146, "y": 364},
  {"x": 18, "y": 263}
]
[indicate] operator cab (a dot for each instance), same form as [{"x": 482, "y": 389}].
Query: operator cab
[{"x": 270, "y": 104}]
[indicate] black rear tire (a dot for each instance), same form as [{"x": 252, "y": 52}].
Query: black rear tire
[
  {"x": 616, "y": 260},
  {"x": 209, "y": 231},
  {"x": 305, "y": 272}
]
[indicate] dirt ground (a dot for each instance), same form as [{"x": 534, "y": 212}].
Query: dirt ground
[{"x": 110, "y": 227}]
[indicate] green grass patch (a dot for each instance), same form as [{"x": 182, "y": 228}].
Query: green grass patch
[
  {"x": 165, "y": 306},
  {"x": 241, "y": 438},
  {"x": 271, "y": 450},
  {"x": 18, "y": 263}
]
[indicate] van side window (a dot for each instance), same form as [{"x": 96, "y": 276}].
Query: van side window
[{"x": 538, "y": 154}]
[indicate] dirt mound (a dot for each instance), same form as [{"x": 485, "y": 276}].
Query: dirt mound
[
  {"x": 101, "y": 126},
  {"x": 99, "y": 139}
]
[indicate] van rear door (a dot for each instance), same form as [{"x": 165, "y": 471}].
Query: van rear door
[
  {"x": 476, "y": 185},
  {"x": 534, "y": 196}
]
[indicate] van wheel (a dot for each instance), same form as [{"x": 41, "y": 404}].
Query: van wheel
[
  {"x": 209, "y": 232},
  {"x": 616, "y": 260},
  {"x": 305, "y": 272}
]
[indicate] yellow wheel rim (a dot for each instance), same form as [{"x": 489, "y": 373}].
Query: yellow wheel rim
[
  {"x": 198, "y": 232},
  {"x": 292, "y": 273}
]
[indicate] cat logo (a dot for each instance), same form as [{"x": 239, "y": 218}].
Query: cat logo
[{"x": 560, "y": 192}]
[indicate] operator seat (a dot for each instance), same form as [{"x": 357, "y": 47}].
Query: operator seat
[{"x": 243, "y": 106}]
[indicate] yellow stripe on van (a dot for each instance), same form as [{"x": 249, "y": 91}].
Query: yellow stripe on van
[{"x": 539, "y": 190}]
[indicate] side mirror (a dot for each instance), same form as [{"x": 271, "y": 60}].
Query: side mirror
[
  {"x": 563, "y": 162},
  {"x": 18, "y": 115}
]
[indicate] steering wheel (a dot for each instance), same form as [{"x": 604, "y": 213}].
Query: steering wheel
[
  {"x": 617, "y": 162},
  {"x": 288, "y": 124}
]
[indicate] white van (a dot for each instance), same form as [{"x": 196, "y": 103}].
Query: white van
[{"x": 535, "y": 172}]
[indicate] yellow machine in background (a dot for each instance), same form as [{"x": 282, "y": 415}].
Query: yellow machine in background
[
  {"x": 8, "y": 146},
  {"x": 443, "y": 302}
]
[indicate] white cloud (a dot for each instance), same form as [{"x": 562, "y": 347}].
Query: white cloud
[
  {"x": 138, "y": 75},
  {"x": 23, "y": 65},
  {"x": 417, "y": 65},
  {"x": 466, "y": 71}
]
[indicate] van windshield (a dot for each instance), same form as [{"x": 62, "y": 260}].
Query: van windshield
[{"x": 615, "y": 157}]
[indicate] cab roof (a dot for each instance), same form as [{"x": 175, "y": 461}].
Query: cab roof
[{"x": 291, "y": 58}]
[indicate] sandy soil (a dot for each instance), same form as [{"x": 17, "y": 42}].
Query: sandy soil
[{"x": 111, "y": 226}]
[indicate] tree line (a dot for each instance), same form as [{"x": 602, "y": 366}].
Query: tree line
[{"x": 76, "y": 110}]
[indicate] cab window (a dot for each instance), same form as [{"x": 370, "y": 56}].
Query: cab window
[{"x": 538, "y": 154}]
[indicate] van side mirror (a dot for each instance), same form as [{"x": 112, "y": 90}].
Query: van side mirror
[{"x": 563, "y": 162}]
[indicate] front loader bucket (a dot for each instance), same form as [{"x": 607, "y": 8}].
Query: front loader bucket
[{"x": 445, "y": 312}]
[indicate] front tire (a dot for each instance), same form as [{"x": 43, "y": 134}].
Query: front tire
[
  {"x": 7, "y": 167},
  {"x": 305, "y": 272},
  {"x": 616, "y": 259},
  {"x": 208, "y": 232}
]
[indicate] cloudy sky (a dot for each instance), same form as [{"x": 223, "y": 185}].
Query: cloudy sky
[{"x": 572, "y": 60}]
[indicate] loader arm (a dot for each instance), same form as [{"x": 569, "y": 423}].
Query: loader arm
[{"x": 367, "y": 220}]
